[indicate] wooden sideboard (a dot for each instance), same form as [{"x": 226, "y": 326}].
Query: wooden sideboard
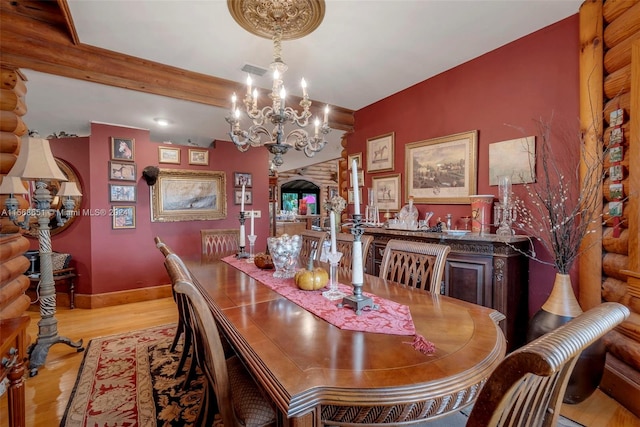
[{"x": 487, "y": 270}]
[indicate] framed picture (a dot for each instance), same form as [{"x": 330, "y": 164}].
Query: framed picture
[
  {"x": 442, "y": 170},
  {"x": 242, "y": 178},
  {"x": 198, "y": 157},
  {"x": 357, "y": 157},
  {"x": 380, "y": 153},
  {"x": 387, "y": 192},
  {"x": 521, "y": 166},
  {"x": 237, "y": 197},
  {"x": 122, "y": 193},
  {"x": 123, "y": 149},
  {"x": 123, "y": 217},
  {"x": 360, "y": 178},
  {"x": 350, "y": 195},
  {"x": 122, "y": 171},
  {"x": 186, "y": 195},
  {"x": 169, "y": 155}
]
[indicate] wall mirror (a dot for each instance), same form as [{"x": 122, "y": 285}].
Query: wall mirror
[{"x": 56, "y": 202}]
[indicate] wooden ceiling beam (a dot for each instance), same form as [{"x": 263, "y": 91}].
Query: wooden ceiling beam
[{"x": 34, "y": 44}]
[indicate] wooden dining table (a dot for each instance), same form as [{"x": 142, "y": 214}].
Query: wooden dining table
[{"x": 318, "y": 374}]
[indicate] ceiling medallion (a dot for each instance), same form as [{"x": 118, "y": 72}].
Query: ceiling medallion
[{"x": 296, "y": 18}]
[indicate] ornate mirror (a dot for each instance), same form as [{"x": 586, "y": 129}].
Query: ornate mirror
[{"x": 56, "y": 202}]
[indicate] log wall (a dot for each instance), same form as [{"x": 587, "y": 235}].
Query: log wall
[
  {"x": 613, "y": 27},
  {"x": 13, "y": 283}
]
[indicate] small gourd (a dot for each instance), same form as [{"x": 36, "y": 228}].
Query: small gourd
[{"x": 311, "y": 279}]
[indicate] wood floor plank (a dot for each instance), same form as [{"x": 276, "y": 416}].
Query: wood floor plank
[{"x": 48, "y": 392}]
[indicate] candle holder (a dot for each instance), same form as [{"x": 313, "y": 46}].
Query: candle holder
[
  {"x": 357, "y": 301},
  {"x": 252, "y": 242},
  {"x": 241, "y": 253},
  {"x": 333, "y": 293}
]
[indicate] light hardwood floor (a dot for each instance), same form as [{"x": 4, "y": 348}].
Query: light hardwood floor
[{"x": 48, "y": 392}]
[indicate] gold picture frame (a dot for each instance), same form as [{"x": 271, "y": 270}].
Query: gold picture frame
[
  {"x": 185, "y": 195},
  {"x": 123, "y": 217},
  {"x": 198, "y": 157},
  {"x": 442, "y": 170},
  {"x": 380, "y": 153},
  {"x": 169, "y": 155},
  {"x": 387, "y": 191},
  {"x": 123, "y": 149}
]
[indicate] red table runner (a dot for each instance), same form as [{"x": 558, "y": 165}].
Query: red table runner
[{"x": 390, "y": 318}]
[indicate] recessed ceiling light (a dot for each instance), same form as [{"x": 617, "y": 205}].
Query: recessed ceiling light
[{"x": 162, "y": 122}]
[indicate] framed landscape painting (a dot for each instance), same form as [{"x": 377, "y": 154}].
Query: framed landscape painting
[
  {"x": 442, "y": 170},
  {"x": 186, "y": 195}
]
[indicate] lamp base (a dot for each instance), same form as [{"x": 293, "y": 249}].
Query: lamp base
[{"x": 38, "y": 351}]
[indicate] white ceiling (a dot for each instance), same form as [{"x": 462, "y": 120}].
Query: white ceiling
[{"x": 363, "y": 51}]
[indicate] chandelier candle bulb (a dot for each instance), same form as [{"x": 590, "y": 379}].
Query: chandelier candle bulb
[
  {"x": 326, "y": 114},
  {"x": 233, "y": 105},
  {"x": 249, "y": 85},
  {"x": 317, "y": 123},
  {"x": 356, "y": 197},
  {"x": 304, "y": 88}
]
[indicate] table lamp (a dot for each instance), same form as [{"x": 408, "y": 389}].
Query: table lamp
[{"x": 36, "y": 163}]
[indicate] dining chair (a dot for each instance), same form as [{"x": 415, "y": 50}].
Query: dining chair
[
  {"x": 344, "y": 244},
  {"x": 526, "y": 389},
  {"x": 183, "y": 327},
  {"x": 416, "y": 264},
  {"x": 311, "y": 241},
  {"x": 239, "y": 400},
  {"x": 219, "y": 243}
]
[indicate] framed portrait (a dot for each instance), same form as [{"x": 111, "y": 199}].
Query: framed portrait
[
  {"x": 350, "y": 195},
  {"x": 198, "y": 157},
  {"x": 186, "y": 195},
  {"x": 242, "y": 178},
  {"x": 442, "y": 170},
  {"x": 123, "y": 149},
  {"x": 122, "y": 193},
  {"x": 357, "y": 157},
  {"x": 387, "y": 192},
  {"x": 169, "y": 155},
  {"x": 521, "y": 166},
  {"x": 360, "y": 178},
  {"x": 380, "y": 153},
  {"x": 237, "y": 197},
  {"x": 122, "y": 171},
  {"x": 123, "y": 217}
]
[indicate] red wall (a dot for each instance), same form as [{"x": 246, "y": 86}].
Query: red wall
[
  {"x": 506, "y": 89},
  {"x": 114, "y": 260}
]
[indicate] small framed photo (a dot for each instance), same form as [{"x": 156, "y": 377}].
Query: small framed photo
[
  {"x": 242, "y": 178},
  {"x": 357, "y": 157},
  {"x": 169, "y": 155},
  {"x": 387, "y": 192},
  {"x": 122, "y": 193},
  {"x": 380, "y": 153},
  {"x": 123, "y": 217},
  {"x": 123, "y": 149},
  {"x": 615, "y": 154},
  {"x": 198, "y": 157},
  {"x": 237, "y": 197},
  {"x": 122, "y": 171},
  {"x": 360, "y": 178}
]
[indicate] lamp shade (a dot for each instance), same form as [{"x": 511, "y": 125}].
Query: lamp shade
[
  {"x": 69, "y": 189},
  {"x": 36, "y": 161},
  {"x": 12, "y": 185}
]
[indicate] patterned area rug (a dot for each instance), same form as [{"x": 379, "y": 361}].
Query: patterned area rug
[{"x": 127, "y": 380}]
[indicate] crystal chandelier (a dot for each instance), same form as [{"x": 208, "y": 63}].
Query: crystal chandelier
[{"x": 278, "y": 140}]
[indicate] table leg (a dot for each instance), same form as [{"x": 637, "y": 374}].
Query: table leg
[
  {"x": 17, "y": 395},
  {"x": 72, "y": 292}
]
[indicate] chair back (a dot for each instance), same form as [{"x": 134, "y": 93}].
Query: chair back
[
  {"x": 312, "y": 241},
  {"x": 416, "y": 264},
  {"x": 526, "y": 389},
  {"x": 162, "y": 246},
  {"x": 344, "y": 244},
  {"x": 217, "y": 244}
]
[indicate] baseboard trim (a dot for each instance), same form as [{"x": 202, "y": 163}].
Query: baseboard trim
[
  {"x": 622, "y": 382},
  {"x": 110, "y": 299}
]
